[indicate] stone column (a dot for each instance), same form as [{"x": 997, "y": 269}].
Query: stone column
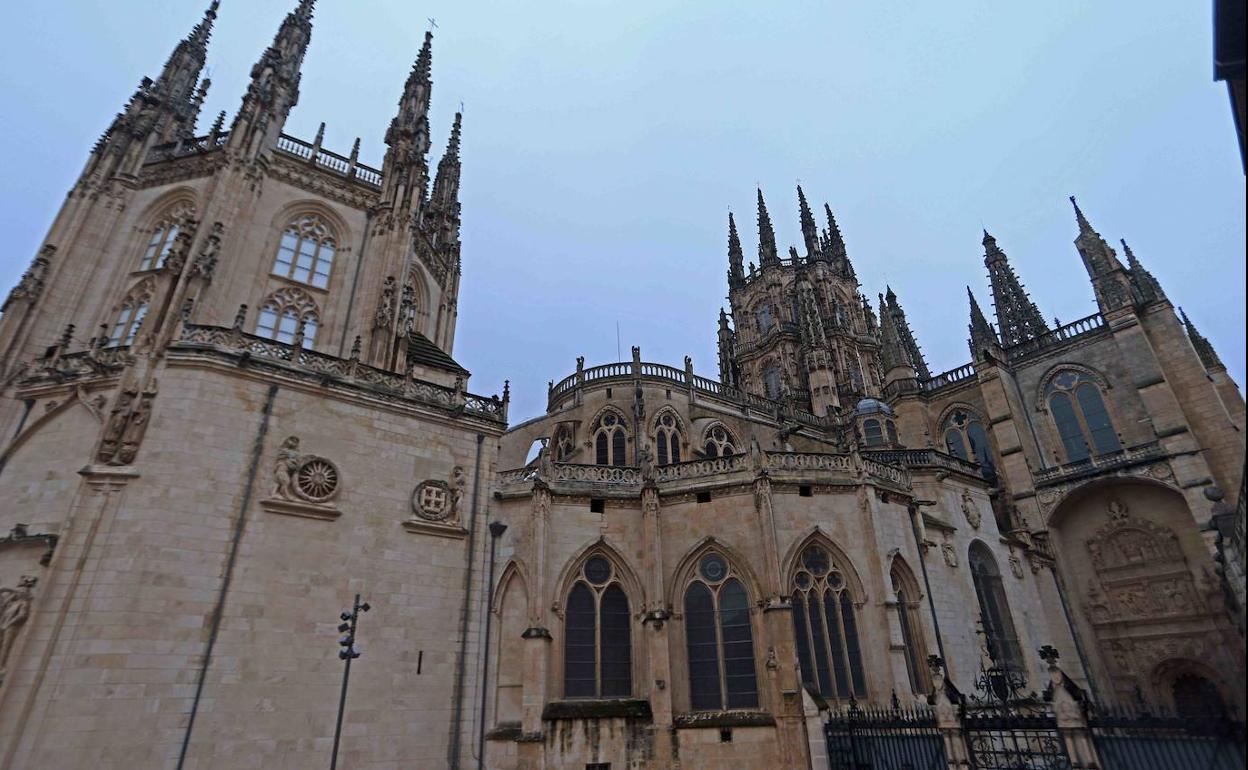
[
  {"x": 536, "y": 638},
  {"x": 655, "y": 627}
]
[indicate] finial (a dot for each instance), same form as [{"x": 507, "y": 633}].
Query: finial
[
  {"x": 218, "y": 125},
  {"x": 1079, "y": 217}
]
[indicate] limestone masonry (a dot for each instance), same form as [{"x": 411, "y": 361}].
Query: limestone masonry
[{"x": 229, "y": 404}]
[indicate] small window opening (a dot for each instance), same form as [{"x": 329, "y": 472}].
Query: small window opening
[
  {"x": 598, "y": 766},
  {"x": 725, "y": 735},
  {"x": 805, "y": 491},
  {"x": 704, "y": 497},
  {"x": 608, "y": 393},
  {"x": 669, "y": 394},
  {"x": 597, "y": 505}
]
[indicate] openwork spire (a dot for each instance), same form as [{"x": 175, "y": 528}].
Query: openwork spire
[
  {"x": 446, "y": 183},
  {"x": 767, "y": 254},
  {"x": 405, "y": 168},
  {"x": 983, "y": 336},
  {"x": 906, "y": 336},
  {"x": 736, "y": 256},
  {"x": 1017, "y": 316},
  {"x": 1113, "y": 286},
  {"x": 1204, "y": 349},
  {"x": 810, "y": 231},
  {"x": 1146, "y": 286},
  {"x": 835, "y": 251},
  {"x": 274, "y": 87},
  {"x": 892, "y": 352}
]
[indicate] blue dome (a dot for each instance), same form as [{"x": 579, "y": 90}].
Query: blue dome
[{"x": 872, "y": 406}]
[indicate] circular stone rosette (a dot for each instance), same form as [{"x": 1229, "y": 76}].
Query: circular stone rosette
[
  {"x": 317, "y": 479},
  {"x": 432, "y": 501}
]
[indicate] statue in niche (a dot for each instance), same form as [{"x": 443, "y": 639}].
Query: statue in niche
[
  {"x": 285, "y": 468},
  {"x": 14, "y": 612}
]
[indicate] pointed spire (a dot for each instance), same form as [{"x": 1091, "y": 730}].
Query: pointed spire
[
  {"x": 736, "y": 256},
  {"x": 405, "y": 169},
  {"x": 1146, "y": 286},
  {"x": 1110, "y": 281},
  {"x": 1204, "y": 349},
  {"x": 767, "y": 253},
  {"x": 906, "y": 336},
  {"x": 1017, "y": 316},
  {"x": 446, "y": 183},
  {"x": 893, "y": 353},
  {"x": 838, "y": 255},
  {"x": 810, "y": 231},
  {"x": 274, "y": 87},
  {"x": 727, "y": 351},
  {"x": 983, "y": 336}
]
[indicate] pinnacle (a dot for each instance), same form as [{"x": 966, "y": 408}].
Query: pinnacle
[{"x": 1084, "y": 225}]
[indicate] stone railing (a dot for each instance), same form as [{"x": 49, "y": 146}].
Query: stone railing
[
  {"x": 180, "y": 149},
  {"x": 809, "y": 461},
  {"x": 951, "y": 377},
  {"x": 346, "y": 167},
  {"x": 695, "y": 469},
  {"x": 1070, "y": 331},
  {"x": 69, "y": 366},
  {"x": 1141, "y": 453},
  {"x": 889, "y": 473},
  {"x": 346, "y": 370},
  {"x": 925, "y": 458}
]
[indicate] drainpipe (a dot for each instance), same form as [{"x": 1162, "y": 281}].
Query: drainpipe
[
  {"x": 452, "y": 752},
  {"x": 497, "y": 528},
  {"x": 913, "y": 509}
]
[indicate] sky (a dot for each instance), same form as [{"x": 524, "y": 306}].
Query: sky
[{"x": 605, "y": 143}]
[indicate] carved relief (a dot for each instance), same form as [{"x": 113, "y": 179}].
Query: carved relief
[
  {"x": 14, "y": 612},
  {"x": 127, "y": 424},
  {"x": 30, "y": 287},
  {"x": 949, "y": 552},
  {"x": 970, "y": 510},
  {"x": 1126, "y": 541},
  {"x": 206, "y": 262},
  {"x": 303, "y": 484}
]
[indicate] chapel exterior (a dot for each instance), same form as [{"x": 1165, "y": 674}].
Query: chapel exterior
[{"x": 229, "y": 403}]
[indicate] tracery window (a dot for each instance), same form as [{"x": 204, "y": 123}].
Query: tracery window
[
  {"x": 667, "y": 439},
  {"x": 765, "y": 317},
  {"x": 826, "y": 627},
  {"x": 598, "y": 648},
  {"x": 281, "y": 314},
  {"x": 719, "y": 442},
  {"x": 565, "y": 445},
  {"x": 719, "y": 638},
  {"x": 306, "y": 251},
  {"x": 610, "y": 441},
  {"x": 1079, "y": 413},
  {"x": 130, "y": 315},
  {"x": 162, "y": 236},
  {"x": 966, "y": 438},
  {"x": 994, "y": 609},
  {"x": 773, "y": 383},
  {"x": 908, "y": 607}
]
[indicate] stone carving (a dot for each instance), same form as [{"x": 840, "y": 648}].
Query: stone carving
[
  {"x": 305, "y": 478},
  {"x": 385, "y": 306},
  {"x": 206, "y": 262},
  {"x": 181, "y": 248},
  {"x": 127, "y": 424},
  {"x": 14, "y": 612},
  {"x": 30, "y": 286},
  {"x": 949, "y": 552},
  {"x": 432, "y": 501},
  {"x": 970, "y": 510},
  {"x": 1127, "y": 541},
  {"x": 1016, "y": 565},
  {"x": 459, "y": 485},
  {"x": 645, "y": 463}
]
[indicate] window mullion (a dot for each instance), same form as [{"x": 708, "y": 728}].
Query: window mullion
[
  {"x": 822, "y": 593},
  {"x": 840, "y": 621},
  {"x": 597, "y": 643},
  {"x": 719, "y": 646}
]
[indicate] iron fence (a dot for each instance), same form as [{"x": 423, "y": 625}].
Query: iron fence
[
  {"x": 1126, "y": 741},
  {"x": 892, "y": 739}
]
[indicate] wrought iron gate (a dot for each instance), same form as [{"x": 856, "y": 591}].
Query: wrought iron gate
[
  {"x": 1007, "y": 729},
  {"x": 891, "y": 739}
]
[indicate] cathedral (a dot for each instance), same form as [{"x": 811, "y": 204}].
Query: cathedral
[{"x": 229, "y": 404}]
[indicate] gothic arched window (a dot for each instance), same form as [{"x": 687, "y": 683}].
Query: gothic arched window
[
  {"x": 129, "y": 316},
  {"x": 306, "y": 251},
  {"x": 610, "y": 441},
  {"x": 161, "y": 237},
  {"x": 906, "y": 593},
  {"x": 598, "y": 659},
  {"x": 564, "y": 444},
  {"x": 766, "y": 318},
  {"x": 667, "y": 439},
  {"x": 281, "y": 314},
  {"x": 994, "y": 609},
  {"x": 719, "y": 442},
  {"x": 1079, "y": 413},
  {"x": 719, "y": 638},
  {"x": 966, "y": 438},
  {"x": 873, "y": 433},
  {"x": 773, "y": 383},
  {"x": 826, "y": 627}
]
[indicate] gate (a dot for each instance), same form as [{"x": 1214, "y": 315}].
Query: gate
[
  {"x": 1146, "y": 742},
  {"x": 889, "y": 739}
]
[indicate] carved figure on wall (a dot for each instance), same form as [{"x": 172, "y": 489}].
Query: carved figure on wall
[
  {"x": 284, "y": 469},
  {"x": 1116, "y": 510},
  {"x": 970, "y": 510},
  {"x": 385, "y": 306},
  {"x": 116, "y": 424},
  {"x": 949, "y": 552},
  {"x": 206, "y": 262},
  {"x": 136, "y": 426},
  {"x": 459, "y": 485},
  {"x": 14, "y": 612},
  {"x": 645, "y": 463}
]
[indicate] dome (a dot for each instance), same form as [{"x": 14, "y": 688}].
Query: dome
[{"x": 873, "y": 406}]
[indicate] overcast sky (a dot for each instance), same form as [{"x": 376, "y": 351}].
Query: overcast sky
[{"x": 605, "y": 142}]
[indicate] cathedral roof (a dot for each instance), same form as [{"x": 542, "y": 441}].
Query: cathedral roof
[{"x": 421, "y": 350}]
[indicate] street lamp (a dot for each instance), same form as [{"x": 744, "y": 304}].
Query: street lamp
[{"x": 348, "y": 653}]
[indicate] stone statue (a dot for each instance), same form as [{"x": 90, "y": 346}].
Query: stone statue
[
  {"x": 645, "y": 461},
  {"x": 459, "y": 483},
  {"x": 285, "y": 468},
  {"x": 116, "y": 425},
  {"x": 970, "y": 510},
  {"x": 545, "y": 466},
  {"x": 14, "y": 611}
]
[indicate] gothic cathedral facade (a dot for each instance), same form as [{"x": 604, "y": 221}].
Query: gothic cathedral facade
[{"x": 229, "y": 404}]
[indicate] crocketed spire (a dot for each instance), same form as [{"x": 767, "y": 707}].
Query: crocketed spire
[
  {"x": 893, "y": 353},
  {"x": 1017, "y": 316},
  {"x": 274, "y": 87},
  {"x": 905, "y": 335},
  {"x": 1204, "y": 349},
  {"x": 983, "y": 336},
  {"x": 767, "y": 253},
  {"x": 405, "y": 169},
  {"x": 1146, "y": 286},
  {"x": 810, "y": 231},
  {"x": 736, "y": 256},
  {"x": 835, "y": 251}
]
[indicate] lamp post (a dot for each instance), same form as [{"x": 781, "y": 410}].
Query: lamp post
[{"x": 349, "y": 619}]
